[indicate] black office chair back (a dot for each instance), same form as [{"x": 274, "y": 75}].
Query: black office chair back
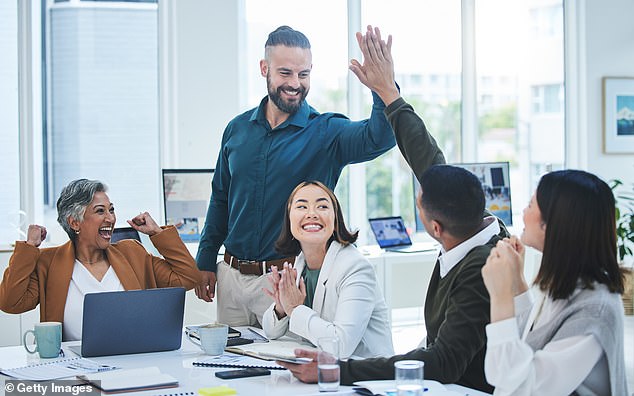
[{"x": 124, "y": 233}]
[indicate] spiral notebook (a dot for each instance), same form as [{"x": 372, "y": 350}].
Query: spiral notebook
[
  {"x": 61, "y": 368},
  {"x": 229, "y": 359}
]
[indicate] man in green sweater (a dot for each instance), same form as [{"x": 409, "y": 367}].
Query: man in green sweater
[{"x": 451, "y": 205}]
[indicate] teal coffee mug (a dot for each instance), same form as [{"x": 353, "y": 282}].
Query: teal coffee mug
[{"x": 48, "y": 339}]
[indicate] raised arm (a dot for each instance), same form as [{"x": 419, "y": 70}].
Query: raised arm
[
  {"x": 177, "y": 267},
  {"x": 416, "y": 144},
  {"x": 377, "y": 70},
  {"x": 19, "y": 290}
]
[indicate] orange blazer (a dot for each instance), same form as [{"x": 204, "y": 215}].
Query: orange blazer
[{"x": 42, "y": 276}]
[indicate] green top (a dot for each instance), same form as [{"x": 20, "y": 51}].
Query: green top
[{"x": 310, "y": 280}]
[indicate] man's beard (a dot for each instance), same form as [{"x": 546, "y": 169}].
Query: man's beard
[{"x": 286, "y": 106}]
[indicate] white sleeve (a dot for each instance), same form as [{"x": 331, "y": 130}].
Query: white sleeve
[
  {"x": 272, "y": 326},
  {"x": 355, "y": 304},
  {"x": 513, "y": 368}
]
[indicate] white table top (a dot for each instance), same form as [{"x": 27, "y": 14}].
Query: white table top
[{"x": 179, "y": 364}]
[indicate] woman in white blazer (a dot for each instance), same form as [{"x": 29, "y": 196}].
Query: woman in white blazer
[{"x": 332, "y": 290}]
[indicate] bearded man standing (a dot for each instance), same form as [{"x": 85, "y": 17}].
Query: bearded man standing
[{"x": 265, "y": 152}]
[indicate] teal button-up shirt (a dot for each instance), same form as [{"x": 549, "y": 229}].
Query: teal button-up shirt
[{"x": 258, "y": 167}]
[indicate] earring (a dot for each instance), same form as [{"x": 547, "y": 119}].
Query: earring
[{"x": 77, "y": 232}]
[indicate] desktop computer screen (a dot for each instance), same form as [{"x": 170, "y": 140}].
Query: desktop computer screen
[
  {"x": 186, "y": 195},
  {"x": 494, "y": 177}
]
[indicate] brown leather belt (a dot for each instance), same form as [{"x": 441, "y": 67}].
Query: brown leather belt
[{"x": 253, "y": 267}]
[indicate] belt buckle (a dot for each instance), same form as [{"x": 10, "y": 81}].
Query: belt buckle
[
  {"x": 249, "y": 262},
  {"x": 249, "y": 267}
]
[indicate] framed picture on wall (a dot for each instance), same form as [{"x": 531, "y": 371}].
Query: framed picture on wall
[{"x": 618, "y": 115}]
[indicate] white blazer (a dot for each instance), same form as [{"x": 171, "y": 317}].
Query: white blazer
[{"x": 348, "y": 303}]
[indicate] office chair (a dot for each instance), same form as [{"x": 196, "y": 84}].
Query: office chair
[{"x": 124, "y": 233}]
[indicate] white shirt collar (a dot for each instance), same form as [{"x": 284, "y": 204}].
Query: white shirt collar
[{"x": 449, "y": 259}]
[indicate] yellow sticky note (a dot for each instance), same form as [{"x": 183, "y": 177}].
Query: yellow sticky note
[{"x": 222, "y": 390}]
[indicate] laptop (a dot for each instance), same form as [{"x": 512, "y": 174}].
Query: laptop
[
  {"x": 134, "y": 321},
  {"x": 391, "y": 235}
]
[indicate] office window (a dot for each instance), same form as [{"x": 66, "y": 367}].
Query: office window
[
  {"x": 547, "y": 98},
  {"x": 10, "y": 218},
  {"x": 429, "y": 71},
  {"x": 512, "y": 125},
  {"x": 435, "y": 67},
  {"x": 546, "y": 21},
  {"x": 102, "y": 80}
]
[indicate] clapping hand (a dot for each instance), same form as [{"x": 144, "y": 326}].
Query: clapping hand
[
  {"x": 274, "y": 280},
  {"x": 503, "y": 276},
  {"x": 291, "y": 296}
]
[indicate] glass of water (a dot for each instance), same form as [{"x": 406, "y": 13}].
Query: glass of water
[
  {"x": 328, "y": 364},
  {"x": 409, "y": 377}
]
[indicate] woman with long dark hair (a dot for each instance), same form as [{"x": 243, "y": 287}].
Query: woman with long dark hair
[{"x": 570, "y": 338}]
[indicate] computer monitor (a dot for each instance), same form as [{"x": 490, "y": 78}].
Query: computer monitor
[
  {"x": 186, "y": 194},
  {"x": 494, "y": 177}
]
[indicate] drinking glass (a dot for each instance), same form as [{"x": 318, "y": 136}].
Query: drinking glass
[
  {"x": 328, "y": 364},
  {"x": 409, "y": 377}
]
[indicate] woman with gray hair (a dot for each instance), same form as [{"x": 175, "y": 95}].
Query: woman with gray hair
[{"x": 57, "y": 278}]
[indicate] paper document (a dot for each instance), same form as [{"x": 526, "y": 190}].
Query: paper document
[
  {"x": 55, "y": 369},
  {"x": 388, "y": 388},
  {"x": 284, "y": 347}
]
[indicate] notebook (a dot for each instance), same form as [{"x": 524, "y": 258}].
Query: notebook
[
  {"x": 56, "y": 368},
  {"x": 388, "y": 387},
  {"x": 235, "y": 360},
  {"x": 391, "y": 235},
  {"x": 130, "y": 380},
  {"x": 135, "y": 321}
]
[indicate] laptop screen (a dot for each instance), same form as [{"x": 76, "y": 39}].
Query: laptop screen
[
  {"x": 132, "y": 321},
  {"x": 390, "y": 231}
]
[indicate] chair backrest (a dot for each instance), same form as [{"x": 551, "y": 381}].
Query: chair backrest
[{"x": 124, "y": 233}]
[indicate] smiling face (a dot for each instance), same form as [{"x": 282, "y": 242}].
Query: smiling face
[
  {"x": 312, "y": 216},
  {"x": 95, "y": 230},
  {"x": 287, "y": 72},
  {"x": 534, "y": 232}
]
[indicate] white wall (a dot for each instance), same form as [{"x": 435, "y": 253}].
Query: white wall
[
  {"x": 609, "y": 52},
  {"x": 201, "y": 61}
]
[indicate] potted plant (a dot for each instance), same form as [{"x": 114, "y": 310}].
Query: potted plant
[{"x": 625, "y": 239}]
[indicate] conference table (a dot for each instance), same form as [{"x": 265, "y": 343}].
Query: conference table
[{"x": 178, "y": 363}]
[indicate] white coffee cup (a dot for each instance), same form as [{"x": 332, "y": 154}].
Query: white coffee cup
[{"x": 213, "y": 338}]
